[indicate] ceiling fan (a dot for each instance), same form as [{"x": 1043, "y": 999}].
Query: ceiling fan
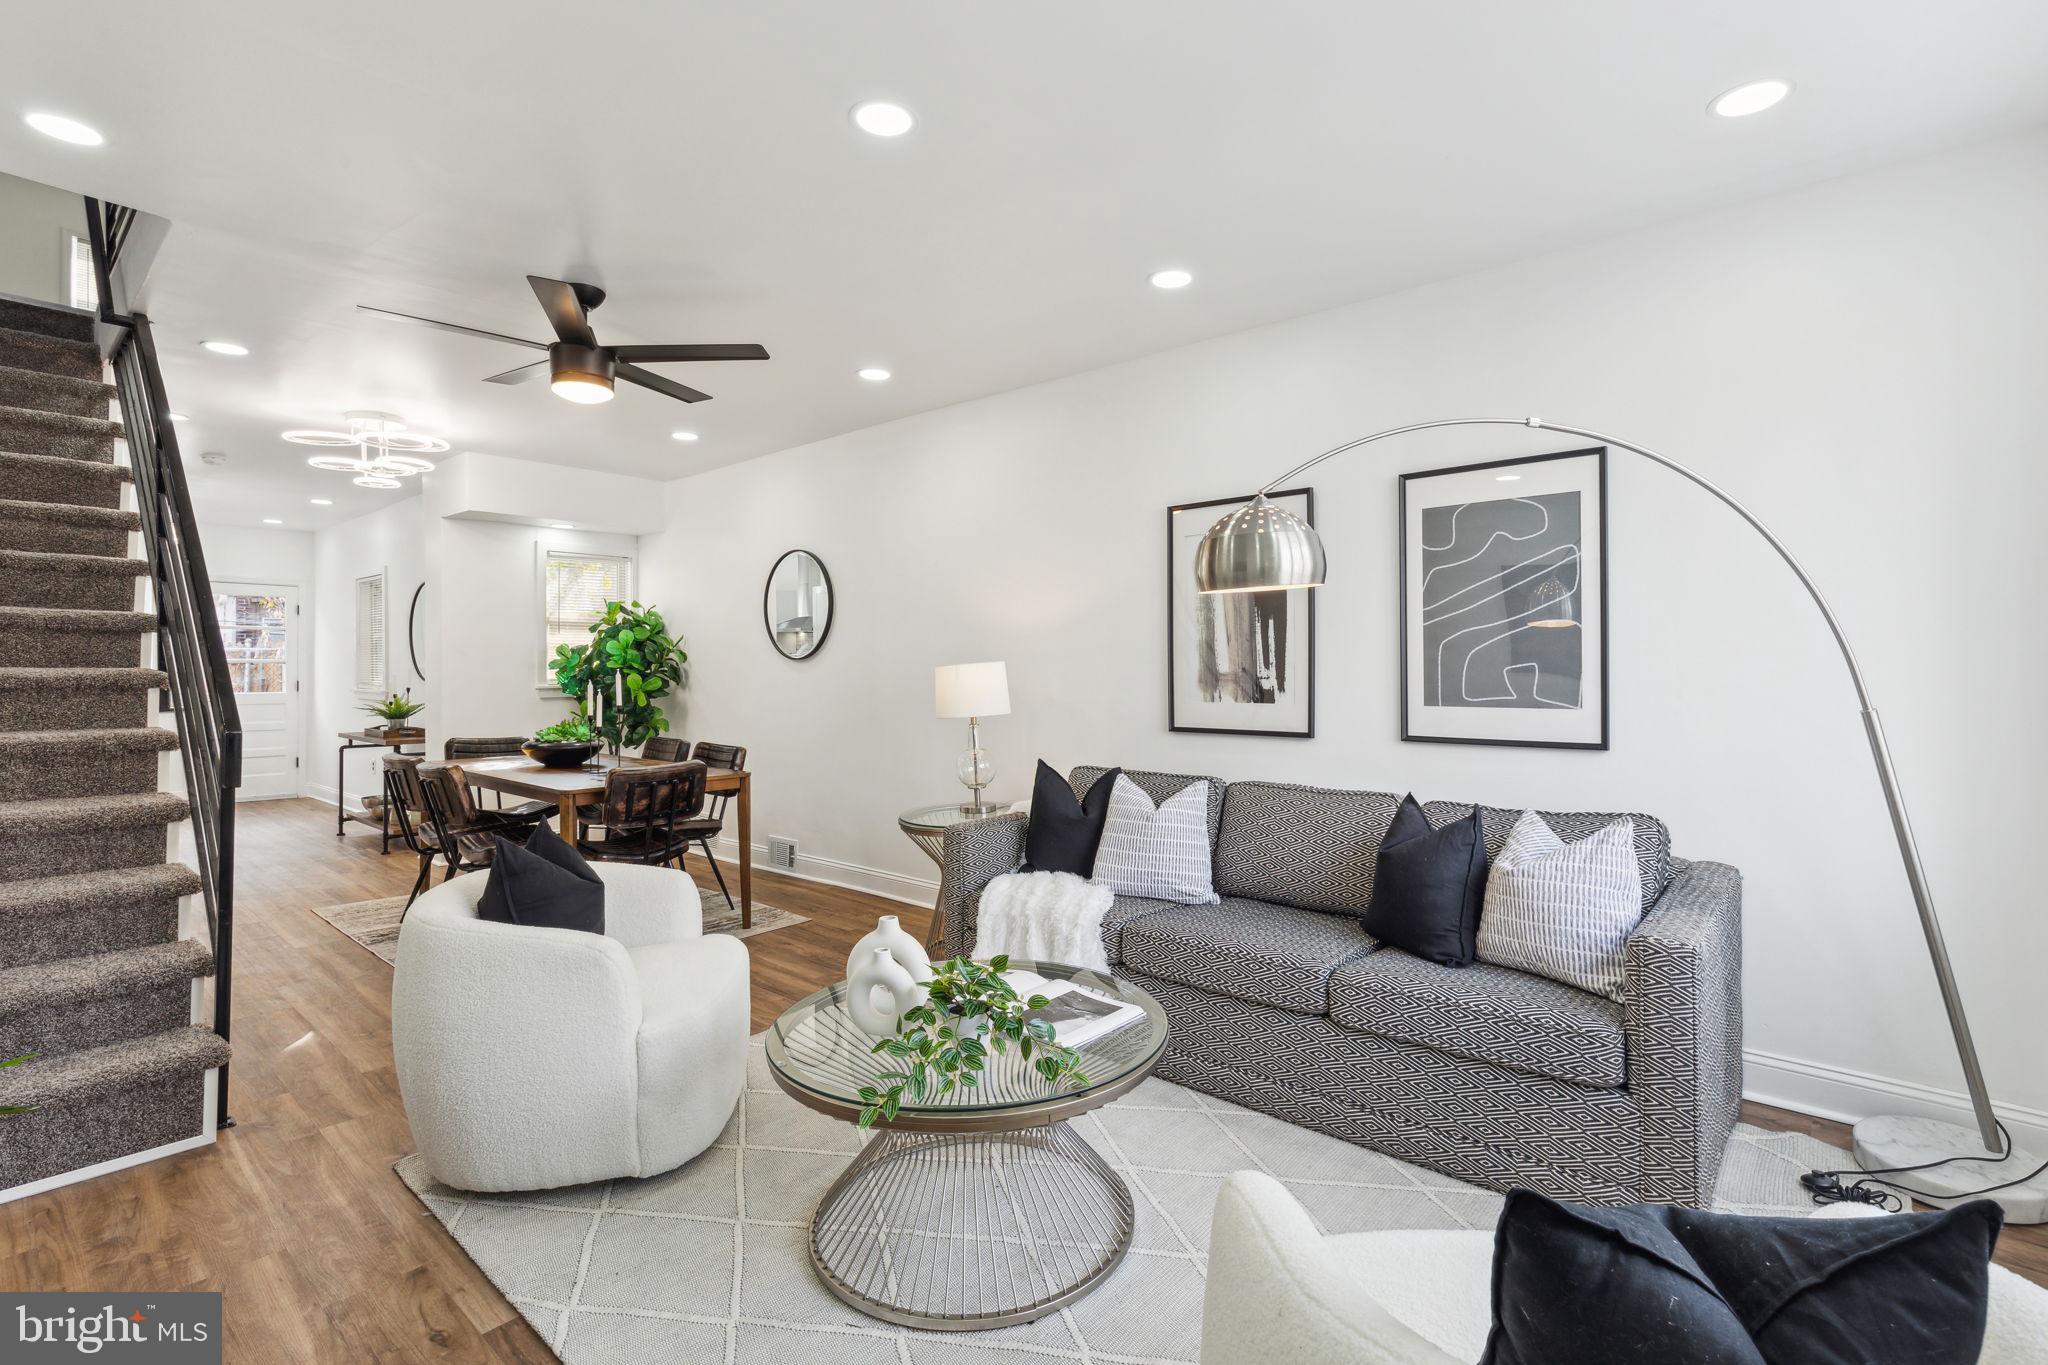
[{"x": 577, "y": 367}]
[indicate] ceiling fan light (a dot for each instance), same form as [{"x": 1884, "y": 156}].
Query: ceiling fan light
[
  {"x": 581, "y": 374},
  {"x": 581, "y": 388}
]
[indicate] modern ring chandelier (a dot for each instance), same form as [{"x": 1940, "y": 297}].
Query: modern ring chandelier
[{"x": 386, "y": 454}]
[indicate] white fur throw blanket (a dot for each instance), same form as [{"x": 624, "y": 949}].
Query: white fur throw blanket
[{"x": 1045, "y": 916}]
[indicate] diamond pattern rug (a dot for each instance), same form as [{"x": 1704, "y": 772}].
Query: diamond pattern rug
[{"x": 710, "y": 1262}]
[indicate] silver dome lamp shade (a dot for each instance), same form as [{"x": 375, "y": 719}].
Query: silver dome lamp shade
[{"x": 1259, "y": 548}]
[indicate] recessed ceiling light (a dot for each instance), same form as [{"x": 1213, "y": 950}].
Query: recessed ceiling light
[
  {"x": 563, "y": 525},
  {"x": 273, "y": 521},
  {"x": 1752, "y": 98},
  {"x": 65, "y": 129},
  {"x": 225, "y": 347},
  {"x": 874, "y": 374},
  {"x": 883, "y": 119},
  {"x": 323, "y": 502},
  {"x": 1506, "y": 478},
  {"x": 1171, "y": 279},
  {"x": 682, "y": 435},
  {"x": 179, "y": 417}
]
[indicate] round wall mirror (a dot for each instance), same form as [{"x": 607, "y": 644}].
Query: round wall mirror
[{"x": 797, "y": 607}]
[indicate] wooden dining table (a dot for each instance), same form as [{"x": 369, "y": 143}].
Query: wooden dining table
[{"x": 568, "y": 788}]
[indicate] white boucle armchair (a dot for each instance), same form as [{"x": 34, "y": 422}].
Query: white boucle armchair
[{"x": 532, "y": 1058}]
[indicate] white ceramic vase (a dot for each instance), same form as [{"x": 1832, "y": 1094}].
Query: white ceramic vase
[{"x": 886, "y": 973}]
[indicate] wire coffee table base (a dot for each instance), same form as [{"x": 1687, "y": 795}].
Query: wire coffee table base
[{"x": 967, "y": 1231}]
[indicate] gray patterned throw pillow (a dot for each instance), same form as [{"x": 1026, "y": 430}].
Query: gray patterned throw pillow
[
  {"x": 1562, "y": 911},
  {"x": 1161, "y": 852}
]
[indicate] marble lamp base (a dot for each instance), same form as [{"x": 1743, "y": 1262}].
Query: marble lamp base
[{"x": 1896, "y": 1140}]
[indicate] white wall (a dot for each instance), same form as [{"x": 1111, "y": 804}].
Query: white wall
[
  {"x": 1863, "y": 362},
  {"x": 392, "y": 540},
  {"x": 34, "y": 220}
]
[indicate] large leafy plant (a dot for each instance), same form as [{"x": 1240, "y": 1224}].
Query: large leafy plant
[
  {"x": 630, "y": 655},
  {"x": 944, "y": 1044}
]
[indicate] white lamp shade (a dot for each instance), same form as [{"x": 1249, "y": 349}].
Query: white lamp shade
[{"x": 963, "y": 690}]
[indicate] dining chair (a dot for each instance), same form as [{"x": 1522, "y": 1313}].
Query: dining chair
[
  {"x": 648, "y": 813},
  {"x": 717, "y": 756},
  {"x": 666, "y": 749},
  {"x": 459, "y": 832},
  {"x": 496, "y": 746},
  {"x": 405, "y": 797}
]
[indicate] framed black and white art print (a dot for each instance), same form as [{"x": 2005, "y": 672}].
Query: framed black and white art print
[
  {"x": 1504, "y": 602},
  {"x": 1237, "y": 663}
]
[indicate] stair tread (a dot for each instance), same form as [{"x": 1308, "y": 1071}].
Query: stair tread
[
  {"x": 66, "y": 619},
  {"x": 110, "y": 886},
  {"x": 147, "y": 737},
  {"x": 99, "y": 469},
  {"x": 58, "y": 815},
  {"x": 40, "y": 317},
  {"x": 65, "y": 421},
  {"x": 83, "y": 679},
  {"x": 33, "y": 340},
  {"x": 113, "y": 518},
  {"x": 75, "y": 383},
  {"x": 59, "y": 562},
  {"x": 74, "y": 1078},
  {"x": 100, "y": 975}
]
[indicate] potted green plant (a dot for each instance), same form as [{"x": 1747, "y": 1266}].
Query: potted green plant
[
  {"x": 396, "y": 712},
  {"x": 620, "y": 677},
  {"x": 944, "y": 1044},
  {"x": 566, "y": 744}
]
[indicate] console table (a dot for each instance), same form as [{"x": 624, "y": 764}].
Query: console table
[{"x": 375, "y": 813}]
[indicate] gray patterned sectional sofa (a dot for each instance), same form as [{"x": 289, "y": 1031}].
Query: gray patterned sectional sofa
[{"x": 1280, "y": 1001}]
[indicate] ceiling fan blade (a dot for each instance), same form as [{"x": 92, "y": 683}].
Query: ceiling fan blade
[
  {"x": 565, "y": 311},
  {"x": 519, "y": 374},
  {"x": 453, "y": 327},
  {"x": 744, "y": 350},
  {"x": 648, "y": 379}
]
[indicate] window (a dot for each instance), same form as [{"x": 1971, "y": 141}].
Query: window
[
  {"x": 370, "y": 634},
  {"x": 576, "y": 588},
  {"x": 253, "y": 629},
  {"x": 78, "y": 273}
]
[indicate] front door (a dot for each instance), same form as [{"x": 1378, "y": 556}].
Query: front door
[{"x": 259, "y": 625}]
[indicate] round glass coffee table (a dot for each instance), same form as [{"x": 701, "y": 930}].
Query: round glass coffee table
[{"x": 982, "y": 1208}]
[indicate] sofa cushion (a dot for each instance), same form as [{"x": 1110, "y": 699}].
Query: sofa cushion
[
  {"x": 1490, "y": 1014},
  {"x": 1249, "y": 950},
  {"x": 1313, "y": 847},
  {"x": 1652, "y": 839},
  {"x": 1158, "y": 786}
]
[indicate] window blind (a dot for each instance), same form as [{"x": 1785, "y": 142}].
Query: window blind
[
  {"x": 84, "y": 288},
  {"x": 578, "y": 586},
  {"x": 370, "y": 634}
]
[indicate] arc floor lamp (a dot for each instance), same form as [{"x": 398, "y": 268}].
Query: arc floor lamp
[{"x": 1261, "y": 547}]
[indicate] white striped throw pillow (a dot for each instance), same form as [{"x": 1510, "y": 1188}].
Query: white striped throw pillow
[
  {"x": 1162, "y": 851},
  {"x": 1562, "y": 911}
]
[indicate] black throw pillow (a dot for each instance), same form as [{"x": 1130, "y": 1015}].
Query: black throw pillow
[
  {"x": 550, "y": 845},
  {"x": 1064, "y": 831},
  {"x": 1428, "y": 887},
  {"x": 1649, "y": 1284},
  {"x": 535, "y": 890}
]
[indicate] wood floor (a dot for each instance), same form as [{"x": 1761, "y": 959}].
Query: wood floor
[{"x": 294, "y": 1213}]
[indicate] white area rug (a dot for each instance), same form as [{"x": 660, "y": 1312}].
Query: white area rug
[{"x": 709, "y": 1262}]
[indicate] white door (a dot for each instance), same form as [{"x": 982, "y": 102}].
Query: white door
[{"x": 259, "y": 624}]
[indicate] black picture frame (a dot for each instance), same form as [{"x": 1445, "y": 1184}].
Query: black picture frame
[
  {"x": 1174, "y": 721},
  {"x": 768, "y": 617},
  {"x": 1599, "y": 597}
]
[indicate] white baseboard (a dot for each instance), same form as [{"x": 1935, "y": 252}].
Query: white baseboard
[
  {"x": 920, "y": 891},
  {"x": 1832, "y": 1092},
  {"x": 204, "y": 1138}
]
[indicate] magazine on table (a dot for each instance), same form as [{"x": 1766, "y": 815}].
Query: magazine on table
[{"x": 1078, "y": 1015}]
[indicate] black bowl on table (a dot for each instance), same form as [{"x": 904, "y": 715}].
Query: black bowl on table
[{"x": 561, "y": 753}]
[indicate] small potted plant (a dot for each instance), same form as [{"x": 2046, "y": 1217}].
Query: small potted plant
[
  {"x": 396, "y": 712},
  {"x": 944, "y": 1044},
  {"x": 565, "y": 744}
]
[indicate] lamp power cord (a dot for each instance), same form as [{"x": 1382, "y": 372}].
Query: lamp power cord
[{"x": 1826, "y": 1187}]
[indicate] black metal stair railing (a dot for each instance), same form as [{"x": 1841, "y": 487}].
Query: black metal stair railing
[{"x": 190, "y": 647}]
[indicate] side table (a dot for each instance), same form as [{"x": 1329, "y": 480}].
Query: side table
[{"x": 927, "y": 826}]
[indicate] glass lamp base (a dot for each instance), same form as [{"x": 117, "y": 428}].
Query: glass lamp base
[{"x": 975, "y": 770}]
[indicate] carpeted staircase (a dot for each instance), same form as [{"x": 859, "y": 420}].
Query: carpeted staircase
[{"x": 95, "y": 980}]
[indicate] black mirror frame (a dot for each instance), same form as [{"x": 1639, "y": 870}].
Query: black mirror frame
[{"x": 831, "y": 596}]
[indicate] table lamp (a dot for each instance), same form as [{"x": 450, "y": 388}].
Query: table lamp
[{"x": 969, "y": 692}]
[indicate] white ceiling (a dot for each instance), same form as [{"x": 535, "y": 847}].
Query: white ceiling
[{"x": 697, "y": 160}]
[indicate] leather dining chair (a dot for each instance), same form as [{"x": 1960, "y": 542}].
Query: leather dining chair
[{"x": 647, "y": 813}]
